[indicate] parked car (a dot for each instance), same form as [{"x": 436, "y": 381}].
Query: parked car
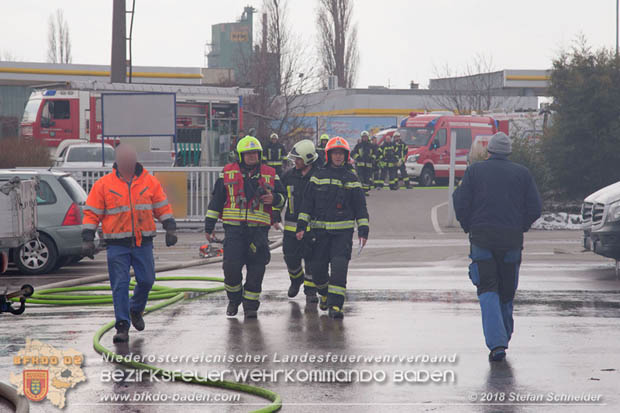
[
  {"x": 60, "y": 200},
  {"x": 600, "y": 214},
  {"x": 84, "y": 155}
]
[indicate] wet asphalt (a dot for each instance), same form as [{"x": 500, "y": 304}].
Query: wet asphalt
[{"x": 409, "y": 301}]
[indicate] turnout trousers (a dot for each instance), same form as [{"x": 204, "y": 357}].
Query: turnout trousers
[
  {"x": 377, "y": 177},
  {"x": 295, "y": 252},
  {"x": 365, "y": 175},
  {"x": 245, "y": 246},
  {"x": 390, "y": 173},
  {"x": 495, "y": 273},
  {"x": 402, "y": 171},
  {"x": 330, "y": 263}
]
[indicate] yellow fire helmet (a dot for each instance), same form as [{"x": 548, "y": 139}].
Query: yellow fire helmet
[
  {"x": 249, "y": 144},
  {"x": 324, "y": 137}
]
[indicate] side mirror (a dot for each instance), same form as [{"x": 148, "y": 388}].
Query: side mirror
[{"x": 435, "y": 144}]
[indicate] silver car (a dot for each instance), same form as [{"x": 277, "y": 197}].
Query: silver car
[{"x": 60, "y": 200}]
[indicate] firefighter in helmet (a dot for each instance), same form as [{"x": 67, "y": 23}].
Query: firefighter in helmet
[
  {"x": 402, "y": 149},
  {"x": 320, "y": 149},
  {"x": 295, "y": 181},
  {"x": 334, "y": 203},
  {"x": 243, "y": 198},
  {"x": 389, "y": 161},
  {"x": 274, "y": 154},
  {"x": 363, "y": 155}
]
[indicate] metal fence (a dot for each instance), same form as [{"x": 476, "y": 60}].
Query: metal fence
[{"x": 200, "y": 181}]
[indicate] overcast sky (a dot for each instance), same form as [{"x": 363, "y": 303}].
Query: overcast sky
[{"x": 399, "y": 40}]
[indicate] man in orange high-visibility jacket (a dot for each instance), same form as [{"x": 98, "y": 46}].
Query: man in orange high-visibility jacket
[{"x": 125, "y": 202}]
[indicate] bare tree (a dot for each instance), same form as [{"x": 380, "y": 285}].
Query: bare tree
[
  {"x": 474, "y": 89},
  {"x": 338, "y": 41},
  {"x": 7, "y": 56},
  {"x": 58, "y": 39},
  {"x": 281, "y": 73}
]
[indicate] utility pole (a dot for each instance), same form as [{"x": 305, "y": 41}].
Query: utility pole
[
  {"x": 118, "y": 67},
  {"x": 617, "y": 25}
]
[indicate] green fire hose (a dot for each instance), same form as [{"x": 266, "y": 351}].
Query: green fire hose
[{"x": 166, "y": 296}]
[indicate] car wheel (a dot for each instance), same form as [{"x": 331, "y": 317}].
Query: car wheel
[
  {"x": 36, "y": 257},
  {"x": 427, "y": 176}
]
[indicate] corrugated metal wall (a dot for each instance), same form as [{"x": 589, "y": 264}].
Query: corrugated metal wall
[{"x": 12, "y": 102}]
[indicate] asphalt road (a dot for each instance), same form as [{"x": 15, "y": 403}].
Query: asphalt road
[{"x": 408, "y": 296}]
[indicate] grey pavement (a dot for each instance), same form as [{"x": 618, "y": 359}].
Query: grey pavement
[{"x": 408, "y": 296}]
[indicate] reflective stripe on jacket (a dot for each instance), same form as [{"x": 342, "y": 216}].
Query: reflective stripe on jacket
[
  {"x": 237, "y": 207},
  {"x": 334, "y": 201}
]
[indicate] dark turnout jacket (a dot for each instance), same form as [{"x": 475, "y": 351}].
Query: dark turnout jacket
[
  {"x": 334, "y": 201},
  {"x": 497, "y": 202}
]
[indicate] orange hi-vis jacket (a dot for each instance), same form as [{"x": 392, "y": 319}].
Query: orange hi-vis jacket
[{"x": 126, "y": 211}]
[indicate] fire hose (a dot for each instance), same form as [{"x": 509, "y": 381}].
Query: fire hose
[{"x": 54, "y": 294}]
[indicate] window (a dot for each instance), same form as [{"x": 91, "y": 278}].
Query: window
[
  {"x": 60, "y": 109},
  {"x": 89, "y": 154},
  {"x": 415, "y": 136},
  {"x": 75, "y": 191},
  {"x": 45, "y": 194},
  {"x": 98, "y": 109},
  {"x": 442, "y": 137},
  {"x": 30, "y": 113},
  {"x": 463, "y": 138},
  {"x": 55, "y": 109}
]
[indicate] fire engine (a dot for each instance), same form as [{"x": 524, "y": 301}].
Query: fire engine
[{"x": 73, "y": 112}]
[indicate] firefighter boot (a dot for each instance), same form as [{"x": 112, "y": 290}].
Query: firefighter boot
[
  {"x": 232, "y": 309},
  {"x": 323, "y": 303},
  {"x": 122, "y": 332},
  {"x": 336, "y": 313},
  {"x": 250, "y": 311},
  {"x": 311, "y": 298},
  {"x": 293, "y": 290}
]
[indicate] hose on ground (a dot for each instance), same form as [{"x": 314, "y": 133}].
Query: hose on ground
[{"x": 73, "y": 293}]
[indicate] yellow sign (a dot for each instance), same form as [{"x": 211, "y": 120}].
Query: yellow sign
[
  {"x": 239, "y": 37},
  {"x": 175, "y": 187}
]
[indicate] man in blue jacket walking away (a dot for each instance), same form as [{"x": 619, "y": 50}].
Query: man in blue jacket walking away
[{"x": 496, "y": 203}]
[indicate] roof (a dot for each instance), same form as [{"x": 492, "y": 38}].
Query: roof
[{"x": 180, "y": 89}]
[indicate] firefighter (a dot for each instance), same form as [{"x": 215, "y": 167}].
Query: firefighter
[
  {"x": 320, "y": 149},
  {"x": 376, "y": 171},
  {"x": 389, "y": 161},
  {"x": 295, "y": 180},
  {"x": 274, "y": 154},
  {"x": 333, "y": 204},
  {"x": 496, "y": 203},
  {"x": 243, "y": 197},
  {"x": 363, "y": 155},
  {"x": 232, "y": 154},
  {"x": 125, "y": 202},
  {"x": 402, "y": 149}
]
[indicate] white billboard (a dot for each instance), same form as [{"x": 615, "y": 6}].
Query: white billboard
[{"x": 138, "y": 114}]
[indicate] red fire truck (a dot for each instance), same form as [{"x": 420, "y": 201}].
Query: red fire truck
[
  {"x": 74, "y": 112},
  {"x": 429, "y": 137}
]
